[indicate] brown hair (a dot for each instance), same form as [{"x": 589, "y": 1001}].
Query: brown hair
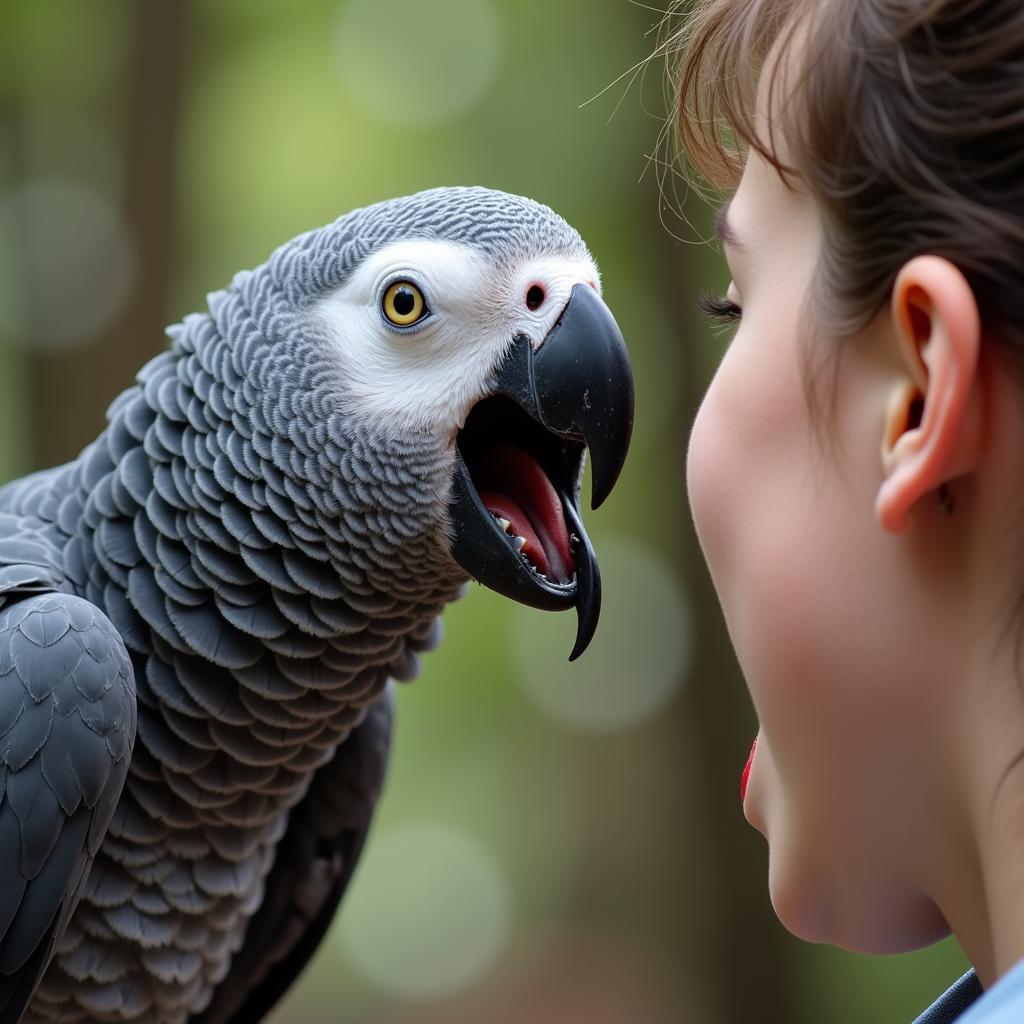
[{"x": 906, "y": 124}]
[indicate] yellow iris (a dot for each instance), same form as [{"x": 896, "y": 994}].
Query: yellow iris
[{"x": 403, "y": 304}]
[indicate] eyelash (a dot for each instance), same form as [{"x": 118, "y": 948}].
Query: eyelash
[{"x": 723, "y": 310}]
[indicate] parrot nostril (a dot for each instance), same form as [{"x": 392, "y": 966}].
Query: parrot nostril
[{"x": 534, "y": 297}]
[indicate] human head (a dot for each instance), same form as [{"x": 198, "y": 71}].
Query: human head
[{"x": 876, "y": 158}]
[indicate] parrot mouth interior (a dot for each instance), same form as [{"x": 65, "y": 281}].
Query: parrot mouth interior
[{"x": 520, "y": 471}]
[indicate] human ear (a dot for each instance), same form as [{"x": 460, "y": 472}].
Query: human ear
[{"x": 932, "y": 423}]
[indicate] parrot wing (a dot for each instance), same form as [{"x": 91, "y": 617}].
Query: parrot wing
[
  {"x": 67, "y": 725},
  {"x": 315, "y": 860}
]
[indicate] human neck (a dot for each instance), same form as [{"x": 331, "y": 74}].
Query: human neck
[
  {"x": 982, "y": 890},
  {"x": 979, "y": 882}
]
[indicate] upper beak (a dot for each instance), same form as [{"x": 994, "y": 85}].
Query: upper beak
[{"x": 578, "y": 386}]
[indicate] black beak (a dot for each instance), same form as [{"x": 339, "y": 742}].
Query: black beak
[{"x": 576, "y": 391}]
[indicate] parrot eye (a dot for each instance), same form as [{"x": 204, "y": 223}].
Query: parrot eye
[{"x": 403, "y": 304}]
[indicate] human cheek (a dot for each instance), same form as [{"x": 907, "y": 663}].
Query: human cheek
[
  {"x": 714, "y": 469},
  {"x": 747, "y": 477},
  {"x": 701, "y": 475},
  {"x": 748, "y": 434}
]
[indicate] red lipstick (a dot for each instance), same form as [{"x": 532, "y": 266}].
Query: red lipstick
[{"x": 746, "y": 771}]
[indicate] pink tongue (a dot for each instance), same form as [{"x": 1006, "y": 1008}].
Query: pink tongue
[{"x": 519, "y": 490}]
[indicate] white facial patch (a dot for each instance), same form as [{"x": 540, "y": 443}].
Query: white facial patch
[{"x": 426, "y": 378}]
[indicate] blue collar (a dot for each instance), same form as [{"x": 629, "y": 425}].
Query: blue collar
[{"x": 953, "y": 1002}]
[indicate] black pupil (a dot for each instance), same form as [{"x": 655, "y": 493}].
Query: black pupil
[
  {"x": 404, "y": 301},
  {"x": 535, "y": 296}
]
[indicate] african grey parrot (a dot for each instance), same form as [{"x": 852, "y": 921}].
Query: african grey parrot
[{"x": 200, "y": 615}]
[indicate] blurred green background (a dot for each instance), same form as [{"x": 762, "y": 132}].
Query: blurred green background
[{"x": 557, "y": 843}]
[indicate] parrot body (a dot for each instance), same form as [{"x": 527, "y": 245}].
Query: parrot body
[{"x": 200, "y": 616}]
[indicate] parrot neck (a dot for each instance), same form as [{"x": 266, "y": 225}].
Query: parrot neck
[{"x": 269, "y": 566}]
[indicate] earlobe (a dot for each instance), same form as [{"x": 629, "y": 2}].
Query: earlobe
[{"x": 932, "y": 423}]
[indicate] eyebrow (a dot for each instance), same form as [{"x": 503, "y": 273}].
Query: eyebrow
[{"x": 723, "y": 229}]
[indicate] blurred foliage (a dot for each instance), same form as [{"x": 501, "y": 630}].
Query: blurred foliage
[{"x": 624, "y": 884}]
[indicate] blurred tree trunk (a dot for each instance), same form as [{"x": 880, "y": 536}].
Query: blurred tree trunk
[{"x": 71, "y": 389}]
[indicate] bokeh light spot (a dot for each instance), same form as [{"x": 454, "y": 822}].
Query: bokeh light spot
[
  {"x": 637, "y": 660},
  {"x": 427, "y": 914},
  {"x": 655, "y": 350},
  {"x": 66, "y": 264},
  {"x": 414, "y": 64}
]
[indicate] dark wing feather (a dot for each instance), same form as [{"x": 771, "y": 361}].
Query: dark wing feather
[
  {"x": 315, "y": 860},
  {"x": 67, "y": 725}
]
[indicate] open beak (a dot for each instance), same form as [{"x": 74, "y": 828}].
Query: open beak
[{"x": 515, "y": 501}]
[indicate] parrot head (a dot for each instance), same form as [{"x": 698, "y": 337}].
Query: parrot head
[{"x": 476, "y": 317}]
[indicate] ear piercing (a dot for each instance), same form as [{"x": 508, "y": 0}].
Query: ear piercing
[{"x": 945, "y": 500}]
